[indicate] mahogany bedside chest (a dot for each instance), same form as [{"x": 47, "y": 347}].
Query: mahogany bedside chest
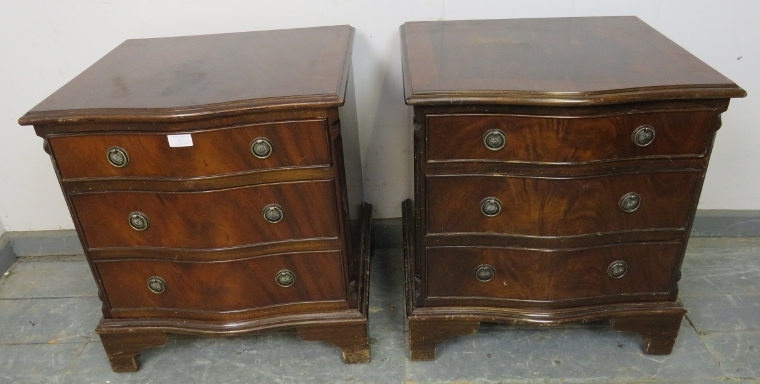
[
  {"x": 558, "y": 165},
  {"x": 215, "y": 184}
]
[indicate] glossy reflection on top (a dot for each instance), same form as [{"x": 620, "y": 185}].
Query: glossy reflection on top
[{"x": 549, "y": 57}]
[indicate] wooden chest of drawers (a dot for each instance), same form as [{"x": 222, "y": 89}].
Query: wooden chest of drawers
[
  {"x": 558, "y": 165},
  {"x": 215, "y": 183}
]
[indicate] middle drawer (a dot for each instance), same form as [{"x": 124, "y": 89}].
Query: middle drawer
[
  {"x": 535, "y": 206},
  {"x": 209, "y": 219}
]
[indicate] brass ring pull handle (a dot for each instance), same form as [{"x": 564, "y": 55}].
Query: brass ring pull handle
[
  {"x": 156, "y": 284},
  {"x": 261, "y": 147},
  {"x": 273, "y": 213},
  {"x": 484, "y": 273},
  {"x": 138, "y": 221},
  {"x": 617, "y": 269},
  {"x": 490, "y": 206},
  {"x": 117, "y": 157},
  {"x": 630, "y": 202},
  {"x": 285, "y": 278},
  {"x": 643, "y": 135},
  {"x": 495, "y": 139}
]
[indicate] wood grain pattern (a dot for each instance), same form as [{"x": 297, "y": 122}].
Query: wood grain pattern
[
  {"x": 223, "y": 286},
  {"x": 566, "y": 170},
  {"x": 124, "y": 349},
  {"x": 296, "y": 144},
  {"x": 550, "y": 316},
  {"x": 544, "y": 275},
  {"x": 231, "y": 326},
  {"x": 551, "y": 140},
  {"x": 353, "y": 340},
  {"x": 424, "y": 337},
  {"x": 694, "y": 104},
  {"x": 558, "y": 207},
  {"x": 215, "y": 254},
  {"x": 568, "y": 93},
  {"x": 207, "y": 236},
  {"x": 215, "y": 121},
  {"x": 212, "y": 321},
  {"x": 179, "y": 78},
  {"x": 429, "y": 325},
  {"x": 558, "y": 61},
  {"x": 90, "y": 185},
  {"x": 654, "y": 235},
  {"x": 330, "y": 321},
  {"x": 659, "y": 332},
  {"x": 212, "y": 219}
]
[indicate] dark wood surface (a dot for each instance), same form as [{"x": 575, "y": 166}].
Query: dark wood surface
[
  {"x": 568, "y": 95},
  {"x": 227, "y": 218},
  {"x": 124, "y": 349},
  {"x": 326, "y": 321},
  {"x": 659, "y": 332},
  {"x": 543, "y": 276},
  {"x": 567, "y": 140},
  {"x": 559, "y": 206},
  {"x": 175, "y": 78},
  {"x": 296, "y": 144},
  {"x": 223, "y": 286},
  {"x": 656, "y": 321},
  {"x": 351, "y": 339},
  {"x": 561, "y": 61},
  {"x": 207, "y": 236},
  {"x": 424, "y": 336}
]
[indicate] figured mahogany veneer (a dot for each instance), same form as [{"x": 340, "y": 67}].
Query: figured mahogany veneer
[
  {"x": 549, "y": 276},
  {"x": 233, "y": 216},
  {"x": 219, "y": 151},
  {"x": 223, "y": 286},
  {"x": 567, "y": 139},
  {"x": 558, "y": 165},
  {"x": 543, "y": 206},
  {"x": 258, "y": 224},
  {"x": 551, "y": 62}
]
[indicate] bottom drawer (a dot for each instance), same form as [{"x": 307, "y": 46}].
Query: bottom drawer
[
  {"x": 540, "y": 275},
  {"x": 223, "y": 286}
]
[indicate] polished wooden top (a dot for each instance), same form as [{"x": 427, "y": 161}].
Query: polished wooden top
[
  {"x": 191, "y": 76},
  {"x": 561, "y": 61}
]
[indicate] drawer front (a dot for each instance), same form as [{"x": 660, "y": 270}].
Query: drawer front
[
  {"x": 559, "y": 207},
  {"x": 213, "y": 152},
  {"x": 545, "y": 275},
  {"x": 551, "y": 139},
  {"x": 212, "y": 219},
  {"x": 223, "y": 286}
]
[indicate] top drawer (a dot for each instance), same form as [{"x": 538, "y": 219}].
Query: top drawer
[
  {"x": 567, "y": 139},
  {"x": 213, "y": 152}
]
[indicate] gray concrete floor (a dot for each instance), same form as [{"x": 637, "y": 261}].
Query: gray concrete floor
[{"x": 49, "y": 308}]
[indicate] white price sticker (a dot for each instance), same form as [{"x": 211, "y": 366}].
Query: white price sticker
[{"x": 185, "y": 140}]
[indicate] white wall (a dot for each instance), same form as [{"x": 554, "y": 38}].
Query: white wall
[{"x": 43, "y": 44}]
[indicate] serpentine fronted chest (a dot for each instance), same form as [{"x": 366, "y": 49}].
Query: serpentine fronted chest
[
  {"x": 558, "y": 165},
  {"x": 215, "y": 183}
]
